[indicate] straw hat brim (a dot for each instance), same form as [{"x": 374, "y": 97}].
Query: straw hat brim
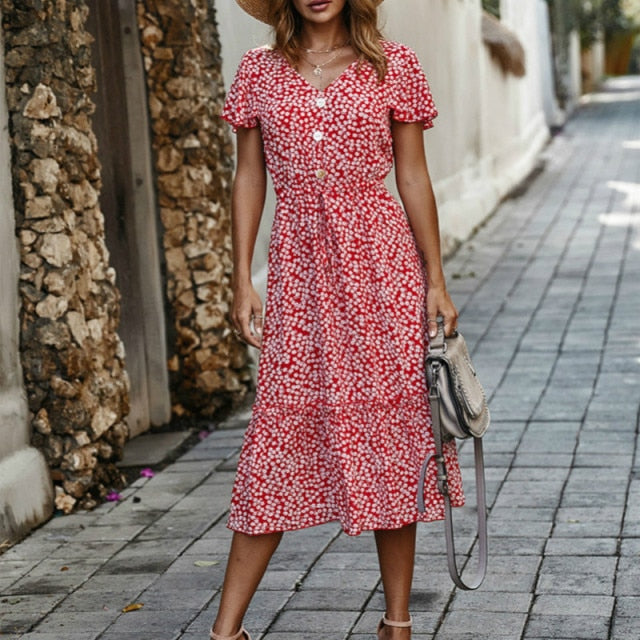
[{"x": 259, "y": 9}]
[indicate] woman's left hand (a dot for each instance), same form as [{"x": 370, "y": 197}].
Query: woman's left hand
[{"x": 439, "y": 303}]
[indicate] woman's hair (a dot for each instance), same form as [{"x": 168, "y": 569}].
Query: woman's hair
[{"x": 361, "y": 18}]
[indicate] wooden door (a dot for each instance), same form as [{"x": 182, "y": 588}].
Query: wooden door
[{"x": 140, "y": 331}]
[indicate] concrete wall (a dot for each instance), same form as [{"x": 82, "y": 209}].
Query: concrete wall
[
  {"x": 554, "y": 115},
  {"x": 26, "y": 495},
  {"x": 575, "y": 67},
  {"x": 515, "y": 125},
  {"x": 491, "y": 126}
]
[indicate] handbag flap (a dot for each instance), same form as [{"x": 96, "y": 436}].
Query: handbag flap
[{"x": 467, "y": 387}]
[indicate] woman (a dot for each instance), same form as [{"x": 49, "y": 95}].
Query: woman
[{"x": 341, "y": 421}]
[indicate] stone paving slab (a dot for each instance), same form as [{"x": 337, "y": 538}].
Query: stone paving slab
[
  {"x": 151, "y": 449},
  {"x": 562, "y": 626},
  {"x": 549, "y": 294}
]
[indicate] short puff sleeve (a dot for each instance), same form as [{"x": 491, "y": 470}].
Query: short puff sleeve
[
  {"x": 239, "y": 107},
  {"x": 411, "y": 99}
]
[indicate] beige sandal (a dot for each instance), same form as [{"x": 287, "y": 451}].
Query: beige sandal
[
  {"x": 237, "y": 636},
  {"x": 385, "y": 622}
]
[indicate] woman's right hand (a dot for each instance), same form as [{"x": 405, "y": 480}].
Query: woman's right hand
[{"x": 246, "y": 314}]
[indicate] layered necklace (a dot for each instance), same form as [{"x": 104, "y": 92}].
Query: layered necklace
[{"x": 317, "y": 68}]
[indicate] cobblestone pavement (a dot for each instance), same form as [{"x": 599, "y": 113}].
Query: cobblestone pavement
[{"x": 549, "y": 291}]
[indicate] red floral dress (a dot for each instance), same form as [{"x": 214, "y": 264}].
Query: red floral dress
[{"x": 341, "y": 423}]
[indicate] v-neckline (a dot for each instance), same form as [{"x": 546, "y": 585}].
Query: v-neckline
[{"x": 298, "y": 75}]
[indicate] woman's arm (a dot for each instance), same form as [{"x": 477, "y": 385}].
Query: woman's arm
[
  {"x": 247, "y": 202},
  {"x": 416, "y": 192}
]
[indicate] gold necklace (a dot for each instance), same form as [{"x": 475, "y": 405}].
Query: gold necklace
[
  {"x": 331, "y": 50},
  {"x": 317, "y": 68}
]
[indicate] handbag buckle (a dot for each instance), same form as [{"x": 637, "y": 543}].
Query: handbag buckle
[{"x": 442, "y": 477}]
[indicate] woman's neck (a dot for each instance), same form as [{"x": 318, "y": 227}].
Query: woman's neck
[{"x": 323, "y": 36}]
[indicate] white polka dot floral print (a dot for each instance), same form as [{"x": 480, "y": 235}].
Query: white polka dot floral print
[{"x": 341, "y": 422}]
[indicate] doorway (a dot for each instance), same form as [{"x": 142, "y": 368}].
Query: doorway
[{"x": 128, "y": 203}]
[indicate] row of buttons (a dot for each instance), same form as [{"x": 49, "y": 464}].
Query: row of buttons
[{"x": 321, "y": 102}]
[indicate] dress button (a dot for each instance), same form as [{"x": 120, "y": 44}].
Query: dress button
[
  {"x": 318, "y": 135},
  {"x": 321, "y": 102},
  {"x": 321, "y": 174}
]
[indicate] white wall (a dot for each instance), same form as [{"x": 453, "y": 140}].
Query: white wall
[
  {"x": 446, "y": 36},
  {"x": 25, "y": 487},
  {"x": 575, "y": 66},
  {"x": 514, "y": 115},
  {"x": 554, "y": 115},
  {"x": 491, "y": 125},
  {"x": 238, "y": 33},
  {"x": 490, "y": 128}
]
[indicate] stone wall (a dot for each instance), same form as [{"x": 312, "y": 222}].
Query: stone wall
[
  {"x": 20, "y": 464},
  {"x": 72, "y": 358},
  {"x": 193, "y": 161}
]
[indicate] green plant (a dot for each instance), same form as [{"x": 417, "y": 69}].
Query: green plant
[
  {"x": 492, "y": 7},
  {"x": 614, "y": 17},
  {"x": 589, "y": 21},
  {"x": 607, "y": 17}
]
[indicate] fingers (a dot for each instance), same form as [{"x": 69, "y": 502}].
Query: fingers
[
  {"x": 432, "y": 326},
  {"x": 257, "y": 322},
  {"x": 247, "y": 315},
  {"x": 450, "y": 325},
  {"x": 248, "y": 327},
  {"x": 441, "y": 309}
]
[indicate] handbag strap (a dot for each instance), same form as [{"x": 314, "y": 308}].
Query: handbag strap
[
  {"x": 483, "y": 551},
  {"x": 437, "y": 344}
]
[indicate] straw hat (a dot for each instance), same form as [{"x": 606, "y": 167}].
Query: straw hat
[{"x": 259, "y": 9}]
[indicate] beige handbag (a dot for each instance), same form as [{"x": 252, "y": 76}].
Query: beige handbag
[{"x": 458, "y": 410}]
